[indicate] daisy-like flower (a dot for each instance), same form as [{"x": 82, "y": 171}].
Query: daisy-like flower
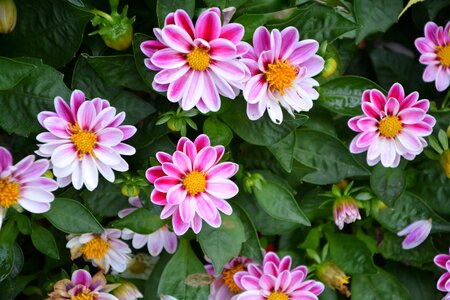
[
  {"x": 345, "y": 210},
  {"x": 223, "y": 287},
  {"x": 443, "y": 284},
  {"x": 416, "y": 233},
  {"x": 140, "y": 266},
  {"x": 22, "y": 184},
  {"x": 198, "y": 63},
  {"x": 82, "y": 286},
  {"x": 275, "y": 280},
  {"x": 84, "y": 138},
  {"x": 192, "y": 186},
  {"x": 391, "y": 126},
  {"x": 281, "y": 68},
  {"x": 156, "y": 241},
  {"x": 103, "y": 250},
  {"x": 435, "y": 53}
]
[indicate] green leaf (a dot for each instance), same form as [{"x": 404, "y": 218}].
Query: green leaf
[
  {"x": 8, "y": 236},
  {"x": 218, "y": 132},
  {"x": 387, "y": 183},
  {"x": 261, "y": 132},
  {"x": 163, "y": 8},
  {"x": 284, "y": 151},
  {"x": 224, "y": 3},
  {"x": 141, "y": 221},
  {"x": 48, "y": 29},
  {"x": 44, "y": 242},
  {"x": 13, "y": 72},
  {"x": 151, "y": 284},
  {"x": 343, "y": 94},
  {"x": 375, "y": 16},
  {"x": 178, "y": 277},
  {"x": 23, "y": 223},
  {"x": 71, "y": 216},
  {"x": 325, "y": 153},
  {"x": 223, "y": 243},
  {"x": 139, "y": 57},
  {"x": 252, "y": 21},
  {"x": 350, "y": 253},
  {"x": 278, "y": 202}
]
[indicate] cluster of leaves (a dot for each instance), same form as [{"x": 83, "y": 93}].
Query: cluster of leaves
[{"x": 50, "y": 53}]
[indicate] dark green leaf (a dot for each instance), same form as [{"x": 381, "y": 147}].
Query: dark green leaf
[
  {"x": 387, "y": 183},
  {"x": 284, "y": 151},
  {"x": 163, "y": 8},
  {"x": 44, "y": 241},
  {"x": 13, "y": 72},
  {"x": 23, "y": 223},
  {"x": 8, "y": 235},
  {"x": 224, "y": 3},
  {"x": 141, "y": 221},
  {"x": 252, "y": 21},
  {"x": 151, "y": 285},
  {"x": 218, "y": 132}
]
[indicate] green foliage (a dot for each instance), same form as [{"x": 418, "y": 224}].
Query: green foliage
[{"x": 141, "y": 221}]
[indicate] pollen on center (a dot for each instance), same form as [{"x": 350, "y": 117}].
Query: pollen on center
[
  {"x": 194, "y": 182},
  {"x": 96, "y": 248},
  {"x": 443, "y": 53},
  {"x": 198, "y": 59},
  {"x": 390, "y": 126},
  {"x": 9, "y": 192},
  {"x": 280, "y": 76},
  {"x": 83, "y": 140},
  {"x": 229, "y": 280}
]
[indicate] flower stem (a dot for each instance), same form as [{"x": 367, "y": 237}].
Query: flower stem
[
  {"x": 444, "y": 103},
  {"x": 101, "y": 14}
]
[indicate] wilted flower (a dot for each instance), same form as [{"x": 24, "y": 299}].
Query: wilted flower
[
  {"x": 127, "y": 291},
  {"x": 330, "y": 274},
  {"x": 23, "y": 185},
  {"x": 83, "y": 139},
  {"x": 140, "y": 266},
  {"x": 192, "y": 186},
  {"x": 345, "y": 210},
  {"x": 275, "y": 280},
  {"x": 416, "y": 233},
  {"x": 103, "y": 250},
  {"x": 391, "y": 126},
  {"x": 155, "y": 241},
  {"x": 82, "y": 286},
  {"x": 443, "y": 284},
  {"x": 8, "y": 16},
  {"x": 281, "y": 69},
  {"x": 435, "y": 53},
  {"x": 197, "y": 64}
]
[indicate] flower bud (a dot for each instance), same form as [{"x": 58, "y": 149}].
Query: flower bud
[
  {"x": 416, "y": 233},
  {"x": 333, "y": 277},
  {"x": 445, "y": 162},
  {"x": 329, "y": 68},
  {"x": 345, "y": 210},
  {"x": 127, "y": 291},
  {"x": 8, "y": 16},
  {"x": 130, "y": 190}
]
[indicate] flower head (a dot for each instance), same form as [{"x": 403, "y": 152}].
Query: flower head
[
  {"x": 435, "y": 53},
  {"x": 84, "y": 138},
  {"x": 191, "y": 185},
  {"x": 155, "y": 241},
  {"x": 443, "y": 284},
  {"x": 391, "y": 126},
  {"x": 82, "y": 286},
  {"x": 330, "y": 274},
  {"x": 345, "y": 210},
  {"x": 22, "y": 184},
  {"x": 104, "y": 250},
  {"x": 416, "y": 233},
  {"x": 127, "y": 291},
  {"x": 281, "y": 68},
  {"x": 140, "y": 266},
  {"x": 198, "y": 63},
  {"x": 275, "y": 280}
]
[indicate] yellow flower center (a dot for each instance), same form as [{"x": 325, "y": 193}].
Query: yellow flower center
[
  {"x": 228, "y": 278},
  {"x": 83, "y": 140},
  {"x": 443, "y": 54},
  {"x": 278, "y": 296},
  {"x": 194, "y": 182},
  {"x": 198, "y": 59},
  {"x": 96, "y": 248},
  {"x": 390, "y": 126},
  {"x": 280, "y": 76},
  {"x": 91, "y": 296},
  {"x": 9, "y": 192}
]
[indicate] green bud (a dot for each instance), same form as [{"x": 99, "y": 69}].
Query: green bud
[
  {"x": 130, "y": 190},
  {"x": 329, "y": 67},
  {"x": 8, "y": 16}
]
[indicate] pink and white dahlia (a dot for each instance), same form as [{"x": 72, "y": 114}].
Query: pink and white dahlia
[
  {"x": 198, "y": 63},
  {"x": 391, "y": 126},
  {"x": 345, "y": 210},
  {"x": 416, "y": 233},
  {"x": 192, "y": 186},
  {"x": 275, "y": 280},
  {"x": 84, "y": 138},
  {"x": 223, "y": 287},
  {"x": 103, "y": 250},
  {"x": 443, "y": 284},
  {"x": 281, "y": 69},
  {"x": 22, "y": 184},
  {"x": 435, "y": 54},
  {"x": 83, "y": 286},
  {"x": 156, "y": 241}
]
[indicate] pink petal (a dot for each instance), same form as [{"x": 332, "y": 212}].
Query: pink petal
[
  {"x": 392, "y": 106},
  {"x": 187, "y": 209},
  {"x": 190, "y": 150},
  {"x": 314, "y": 65},
  {"x": 409, "y": 141},
  {"x": 423, "y": 45},
  {"x": 193, "y": 91},
  {"x": 283, "y": 280},
  {"x": 168, "y": 59},
  {"x": 176, "y": 89},
  {"x": 442, "y": 79},
  {"x": 420, "y": 129},
  {"x": 304, "y": 51},
  {"x": 86, "y": 115},
  {"x": 154, "y": 173},
  {"x": 367, "y": 124},
  {"x": 182, "y": 161},
  {"x": 443, "y": 282},
  {"x": 109, "y": 136},
  {"x": 34, "y": 206},
  {"x": 172, "y": 170},
  {"x": 158, "y": 198},
  {"x": 201, "y": 142},
  {"x": 388, "y": 154},
  {"x": 370, "y": 110},
  {"x": 63, "y": 110},
  {"x": 150, "y": 47},
  {"x": 179, "y": 226},
  {"x": 267, "y": 282},
  {"x": 353, "y": 123},
  {"x": 275, "y": 43},
  {"x": 430, "y": 73},
  {"x": 89, "y": 172},
  {"x": 76, "y": 99},
  {"x": 206, "y": 209},
  {"x": 222, "y": 171},
  {"x": 210, "y": 95},
  {"x": 233, "y": 32},
  {"x": 250, "y": 282},
  {"x": 409, "y": 100},
  {"x": 176, "y": 194},
  {"x": 441, "y": 260},
  {"x": 176, "y": 38},
  {"x": 289, "y": 40},
  {"x": 196, "y": 223},
  {"x": 182, "y": 19},
  {"x": 265, "y": 58},
  {"x": 208, "y": 26},
  {"x": 205, "y": 159},
  {"x": 223, "y": 87},
  {"x": 430, "y": 32},
  {"x": 222, "y": 205},
  {"x": 36, "y": 194},
  {"x": 170, "y": 75},
  {"x": 222, "y": 49},
  {"x": 5, "y": 159},
  {"x": 224, "y": 189},
  {"x": 411, "y": 115},
  {"x": 261, "y": 40},
  {"x": 230, "y": 70},
  {"x": 163, "y": 157},
  {"x": 107, "y": 155},
  {"x": 81, "y": 277},
  {"x": 164, "y": 184},
  {"x": 57, "y": 126}
]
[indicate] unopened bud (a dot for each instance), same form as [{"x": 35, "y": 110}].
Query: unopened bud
[
  {"x": 130, "y": 190},
  {"x": 330, "y": 274},
  {"x": 445, "y": 162},
  {"x": 329, "y": 68},
  {"x": 8, "y": 16}
]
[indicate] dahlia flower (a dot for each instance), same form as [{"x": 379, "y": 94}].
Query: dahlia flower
[
  {"x": 416, "y": 233},
  {"x": 435, "y": 54},
  {"x": 197, "y": 64},
  {"x": 345, "y": 210},
  {"x": 281, "y": 68},
  {"x": 83, "y": 286},
  {"x": 275, "y": 280},
  {"x": 391, "y": 126},
  {"x": 104, "y": 250},
  {"x": 22, "y": 184},
  {"x": 191, "y": 185},
  {"x": 443, "y": 284},
  {"x": 84, "y": 138},
  {"x": 223, "y": 287},
  {"x": 155, "y": 241}
]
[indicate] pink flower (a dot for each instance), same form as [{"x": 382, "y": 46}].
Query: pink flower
[
  {"x": 192, "y": 186},
  {"x": 281, "y": 68},
  {"x": 435, "y": 53},
  {"x": 83, "y": 286},
  {"x": 83, "y": 139},
  {"x": 197, "y": 64},
  {"x": 345, "y": 210},
  {"x": 391, "y": 126},
  {"x": 443, "y": 284},
  {"x": 22, "y": 184},
  {"x": 223, "y": 287},
  {"x": 276, "y": 280},
  {"x": 155, "y": 241},
  {"x": 416, "y": 233}
]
